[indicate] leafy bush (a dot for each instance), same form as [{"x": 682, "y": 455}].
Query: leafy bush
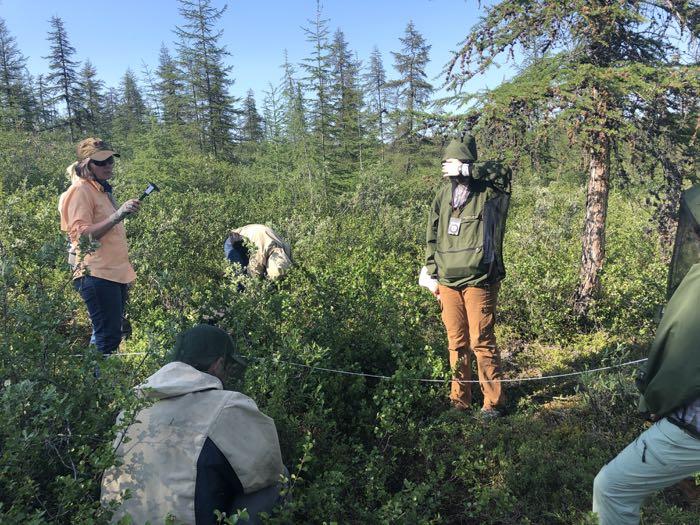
[{"x": 360, "y": 449}]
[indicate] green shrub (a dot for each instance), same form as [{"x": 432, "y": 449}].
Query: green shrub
[{"x": 360, "y": 449}]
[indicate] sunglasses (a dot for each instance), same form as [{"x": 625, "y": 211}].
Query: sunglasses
[{"x": 103, "y": 163}]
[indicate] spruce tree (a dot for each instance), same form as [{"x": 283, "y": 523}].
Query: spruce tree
[
  {"x": 665, "y": 141},
  {"x": 296, "y": 129},
  {"x": 171, "y": 89},
  {"x": 345, "y": 100},
  {"x": 12, "y": 66},
  {"x": 272, "y": 116},
  {"x": 46, "y": 111},
  {"x": 273, "y": 127},
  {"x": 150, "y": 91},
  {"x": 293, "y": 102},
  {"x": 413, "y": 91},
  {"x": 317, "y": 68},
  {"x": 203, "y": 58},
  {"x": 375, "y": 89},
  {"x": 62, "y": 80},
  {"x": 112, "y": 100},
  {"x": 252, "y": 126},
  {"x": 131, "y": 111},
  {"x": 29, "y": 109},
  {"x": 194, "y": 116},
  {"x": 597, "y": 66},
  {"x": 89, "y": 100},
  {"x": 251, "y": 132}
]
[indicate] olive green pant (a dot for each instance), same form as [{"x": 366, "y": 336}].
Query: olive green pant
[{"x": 469, "y": 316}]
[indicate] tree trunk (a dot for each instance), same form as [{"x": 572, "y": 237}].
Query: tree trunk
[
  {"x": 593, "y": 242},
  {"x": 667, "y": 211}
]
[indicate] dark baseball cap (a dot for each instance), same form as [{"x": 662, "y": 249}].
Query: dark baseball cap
[{"x": 203, "y": 344}]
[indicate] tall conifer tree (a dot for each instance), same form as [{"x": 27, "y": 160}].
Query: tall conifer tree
[
  {"x": 273, "y": 119},
  {"x": 29, "y": 108},
  {"x": 171, "y": 90},
  {"x": 598, "y": 65},
  {"x": 12, "y": 65},
  {"x": 277, "y": 149},
  {"x": 317, "y": 68},
  {"x": 293, "y": 102},
  {"x": 89, "y": 100},
  {"x": 46, "y": 112},
  {"x": 375, "y": 89},
  {"x": 203, "y": 56},
  {"x": 131, "y": 111},
  {"x": 63, "y": 77},
  {"x": 252, "y": 126},
  {"x": 345, "y": 100},
  {"x": 150, "y": 91},
  {"x": 412, "y": 88},
  {"x": 301, "y": 152}
]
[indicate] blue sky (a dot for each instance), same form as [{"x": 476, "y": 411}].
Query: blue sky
[{"x": 128, "y": 33}]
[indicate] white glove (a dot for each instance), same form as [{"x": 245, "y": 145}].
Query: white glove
[
  {"x": 426, "y": 281},
  {"x": 129, "y": 207}
]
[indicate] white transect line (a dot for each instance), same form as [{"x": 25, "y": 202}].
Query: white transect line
[
  {"x": 115, "y": 354},
  {"x": 424, "y": 380}
]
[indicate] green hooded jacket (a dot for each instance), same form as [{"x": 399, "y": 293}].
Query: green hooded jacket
[
  {"x": 475, "y": 256},
  {"x": 672, "y": 375}
]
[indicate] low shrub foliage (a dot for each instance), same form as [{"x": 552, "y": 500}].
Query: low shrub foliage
[{"x": 359, "y": 449}]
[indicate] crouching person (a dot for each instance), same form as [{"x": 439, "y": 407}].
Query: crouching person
[
  {"x": 259, "y": 250},
  {"x": 669, "y": 450},
  {"x": 198, "y": 448}
]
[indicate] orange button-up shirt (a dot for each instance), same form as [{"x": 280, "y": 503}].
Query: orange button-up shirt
[{"x": 86, "y": 203}]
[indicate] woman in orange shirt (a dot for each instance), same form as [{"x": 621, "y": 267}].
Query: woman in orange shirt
[{"x": 88, "y": 210}]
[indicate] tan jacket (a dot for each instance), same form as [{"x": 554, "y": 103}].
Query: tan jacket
[
  {"x": 266, "y": 241},
  {"x": 86, "y": 203},
  {"x": 159, "y": 458}
]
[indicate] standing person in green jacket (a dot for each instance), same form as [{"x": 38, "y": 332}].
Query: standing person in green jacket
[
  {"x": 669, "y": 450},
  {"x": 464, "y": 253}
]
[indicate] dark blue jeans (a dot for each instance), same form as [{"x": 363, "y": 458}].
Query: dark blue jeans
[{"x": 105, "y": 301}]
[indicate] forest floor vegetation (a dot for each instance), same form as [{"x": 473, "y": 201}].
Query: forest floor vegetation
[{"x": 360, "y": 449}]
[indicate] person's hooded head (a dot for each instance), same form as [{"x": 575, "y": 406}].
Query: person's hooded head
[
  {"x": 207, "y": 348},
  {"x": 458, "y": 156}
]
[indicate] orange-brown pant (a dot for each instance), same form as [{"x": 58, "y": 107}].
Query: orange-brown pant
[{"x": 469, "y": 316}]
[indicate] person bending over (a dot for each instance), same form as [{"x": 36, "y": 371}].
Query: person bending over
[{"x": 259, "y": 250}]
